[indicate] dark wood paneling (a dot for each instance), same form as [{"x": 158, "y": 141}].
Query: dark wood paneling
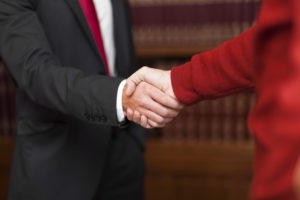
[
  {"x": 179, "y": 170},
  {"x": 166, "y": 52}
]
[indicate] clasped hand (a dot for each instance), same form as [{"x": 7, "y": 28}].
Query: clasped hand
[{"x": 148, "y": 98}]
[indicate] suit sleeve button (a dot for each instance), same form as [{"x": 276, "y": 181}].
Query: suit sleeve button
[
  {"x": 87, "y": 116},
  {"x": 102, "y": 118},
  {"x": 93, "y": 118}
]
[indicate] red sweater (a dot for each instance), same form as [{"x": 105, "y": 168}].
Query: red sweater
[{"x": 265, "y": 58}]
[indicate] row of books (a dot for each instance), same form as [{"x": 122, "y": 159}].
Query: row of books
[
  {"x": 178, "y": 2},
  {"x": 223, "y": 120},
  {"x": 190, "y": 23},
  {"x": 218, "y": 120}
]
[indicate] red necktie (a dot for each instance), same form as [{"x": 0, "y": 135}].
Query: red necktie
[{"x": 89, "y": 10}]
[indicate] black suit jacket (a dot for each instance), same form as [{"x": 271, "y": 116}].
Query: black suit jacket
[{"x": 66, "y": 105}]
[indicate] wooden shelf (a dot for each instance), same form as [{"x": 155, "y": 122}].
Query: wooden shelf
[
  {"x": 178, "y": 169},
  {"x": 163, "y": 52}
]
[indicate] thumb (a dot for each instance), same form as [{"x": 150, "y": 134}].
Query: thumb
[
  {"x": 134, "y": 80},
  {"x": 129, "y": 88}
]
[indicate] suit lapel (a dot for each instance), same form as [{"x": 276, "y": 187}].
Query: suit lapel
[
  {"x": 122, "y": 34},
  {"x": 75, "y": 6}
]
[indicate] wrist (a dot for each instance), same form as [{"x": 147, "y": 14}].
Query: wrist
[{"x": 170, "y": 89}]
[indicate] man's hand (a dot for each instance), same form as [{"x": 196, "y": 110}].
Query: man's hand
[
  {"x": 148, "y": 102},
  {"x": 159, "y": 78},
  {"x": 164, "y": 103}
]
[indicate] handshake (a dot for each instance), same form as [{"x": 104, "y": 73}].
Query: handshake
[{"x": 148, "y": 98}]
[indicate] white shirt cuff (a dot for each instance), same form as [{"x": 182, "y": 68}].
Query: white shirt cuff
[{"x": 120, "y": 112}]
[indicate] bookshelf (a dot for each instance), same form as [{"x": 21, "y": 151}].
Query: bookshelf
[
  {"x": 192, "y": 170},
  {"x": 207, "y": 151},
  {"x": 210, "y": 158},
  {"x": 183, "y": 28},
  {"x": 145, "y": 53}
]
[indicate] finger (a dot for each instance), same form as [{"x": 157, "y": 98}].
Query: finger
[
  {"x": 162, "y": 80},
  {"x": 130, "y": 87},
  {"x": 147, "y": 94},
  {"x": 142, "y": 109},
  {"x": 162, "y": 110},
  {"x": 137, "y": 117},
  {"x": 154, "y": 124},
  {"x": 148, "y": 127},
  {"x": 155, "y": 77},
  {"x": 167, "y": 120},
  {"x": 129, "y": 115},
  {"x": 166, "y": 100},
  {"x": 152, "y": 115},
  {"x": 144, "y": 121},
  {"x": 139, "y": 75}
]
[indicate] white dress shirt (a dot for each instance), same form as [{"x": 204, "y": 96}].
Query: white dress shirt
[{"x": 105, "y": 18}]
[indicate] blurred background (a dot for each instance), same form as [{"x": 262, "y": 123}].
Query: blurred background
[{"x": 206, "y": 152}]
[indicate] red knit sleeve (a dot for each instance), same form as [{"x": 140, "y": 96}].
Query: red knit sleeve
[{"x": 222, "y": 71}]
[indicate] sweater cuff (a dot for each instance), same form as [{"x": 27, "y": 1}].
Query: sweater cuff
[{"x": 182, "y": 84}]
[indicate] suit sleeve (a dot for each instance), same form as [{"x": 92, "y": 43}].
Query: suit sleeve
[
  {"x": 36, "y": 70},
  {"x": 222, "y": 71}
]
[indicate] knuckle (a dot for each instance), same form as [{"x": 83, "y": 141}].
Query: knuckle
[
  {"x": 144, "y": 86},
  {"x": 148, "y": 89},
  {"x": 160, "y": 120},
  {"x": 143, "y": 101},
  {"x": 164, "y": 113},
  {"x": 164, "y": 99},
  {"x": 144, "y": 68},
  {"x": 154, "y": 124},
  {"x": 136, "y": 115},
  {"x": 136, "y": 120},
  {"x": 129, "y": 116}
]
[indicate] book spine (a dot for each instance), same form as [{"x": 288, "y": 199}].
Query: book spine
[{"x": 190, "y": 23}]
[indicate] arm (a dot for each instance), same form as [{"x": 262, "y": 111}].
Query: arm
[
  {"x": 222, "y": 71},
  {"x": 36, "y": 70},
  {"x": 39, "y": 73}
]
